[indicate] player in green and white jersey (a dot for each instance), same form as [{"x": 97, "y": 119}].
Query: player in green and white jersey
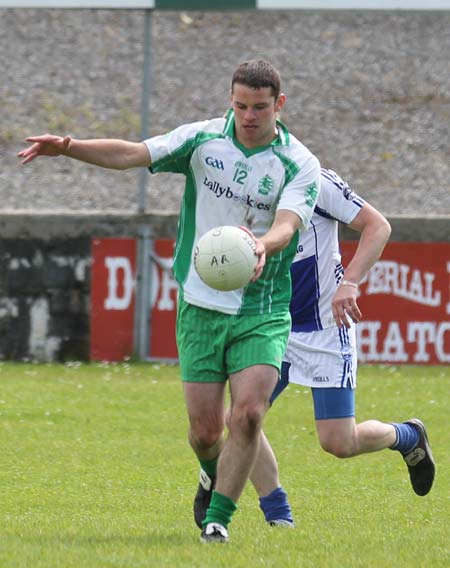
[
  {"x": 244, "y": 169},
  {"x": 229, "y": 184}
]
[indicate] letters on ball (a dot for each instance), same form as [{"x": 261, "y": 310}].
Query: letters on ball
[{"x": 225, "y": 258}]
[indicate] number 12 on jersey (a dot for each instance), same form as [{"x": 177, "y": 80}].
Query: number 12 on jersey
[{"x": 239, "y": 176}]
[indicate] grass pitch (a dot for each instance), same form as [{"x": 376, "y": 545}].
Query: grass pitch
[{"x": 96, "y": 472}]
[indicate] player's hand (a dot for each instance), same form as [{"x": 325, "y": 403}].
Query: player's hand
[
  {"x": 45, "y": 145},
  {"x": 344, "y": 305},
  {"x": 260, "y": 252}
]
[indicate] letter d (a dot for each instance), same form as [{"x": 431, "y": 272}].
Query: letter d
[{"x": 114, "y": 301}]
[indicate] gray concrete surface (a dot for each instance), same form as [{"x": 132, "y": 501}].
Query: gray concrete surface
[{"x": 368, "y": 92}]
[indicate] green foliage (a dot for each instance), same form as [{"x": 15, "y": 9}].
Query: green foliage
[{"x": 96, "y": 472}]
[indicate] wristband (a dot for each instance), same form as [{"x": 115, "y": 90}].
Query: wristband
[{"x": 348, "y": 283}]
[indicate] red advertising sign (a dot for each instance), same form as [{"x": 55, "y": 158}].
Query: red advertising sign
[
  {"x": 113, "y": 300},
  {"x": 405, "y": 304},
  {"x": 164, "y": 289},
  {"x": 404, "y": 299}
]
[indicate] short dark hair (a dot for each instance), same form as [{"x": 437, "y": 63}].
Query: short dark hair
[{"x": 257, "y": 74}]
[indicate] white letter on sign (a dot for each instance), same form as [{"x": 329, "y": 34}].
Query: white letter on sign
[
  {"x": 367, "y": 337},
  {"x": 114, "y": 301},
  {"x": 421, "y": 333},
  {"x": 394, "y": 346},
  {"x": 443, "y": 328}
]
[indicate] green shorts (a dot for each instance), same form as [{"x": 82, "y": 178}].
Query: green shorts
[{"x": 213, "y": 345}]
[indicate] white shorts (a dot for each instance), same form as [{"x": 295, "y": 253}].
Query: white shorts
[{"x": 321, "y": 359}]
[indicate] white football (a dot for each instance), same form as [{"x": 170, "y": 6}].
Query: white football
[{"x": 225, "y": 258}]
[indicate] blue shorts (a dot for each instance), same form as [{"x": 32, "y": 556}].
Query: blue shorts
[{"x": 328, "y": 402}]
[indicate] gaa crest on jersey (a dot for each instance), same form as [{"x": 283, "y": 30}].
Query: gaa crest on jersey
[
  {"x": 265, "y": 185},
  {"x": 214, "y": 162}
]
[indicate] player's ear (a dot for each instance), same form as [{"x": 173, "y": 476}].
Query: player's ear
[{"x": 280, "y": 102}]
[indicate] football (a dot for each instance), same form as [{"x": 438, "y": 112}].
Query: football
[{"x": 225, "y": 258}]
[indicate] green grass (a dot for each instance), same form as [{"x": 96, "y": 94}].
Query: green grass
[{"x": 95, "y": 471}]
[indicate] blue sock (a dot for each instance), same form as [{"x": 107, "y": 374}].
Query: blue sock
[
  {"x": 407, "y": 437},
  {"x": 275, "y": 506}
]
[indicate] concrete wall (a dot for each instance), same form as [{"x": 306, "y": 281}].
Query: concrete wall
[
  {"x": 45, "y": 276},
  {"x": 44, "y": 298}
]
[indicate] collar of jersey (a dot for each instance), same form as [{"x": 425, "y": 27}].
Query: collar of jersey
[{"x": 281, "y": 140}]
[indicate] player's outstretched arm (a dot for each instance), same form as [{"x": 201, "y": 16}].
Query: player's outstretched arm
[
  {"x": 375, "y": 231},
  {"x": 106, "y": 153}
]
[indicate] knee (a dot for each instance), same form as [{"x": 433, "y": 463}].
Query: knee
[
  {"x": 247, "y": 418},
  {"x": 205, "y": 434},
  {"x": 339, "y": 448}
]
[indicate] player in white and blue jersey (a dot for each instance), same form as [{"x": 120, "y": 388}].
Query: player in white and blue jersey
[{"x": 321, "y": 352}]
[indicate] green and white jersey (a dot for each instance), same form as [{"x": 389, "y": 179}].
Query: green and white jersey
[{"x": 228, "y": 184}]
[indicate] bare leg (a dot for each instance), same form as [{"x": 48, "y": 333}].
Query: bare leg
[
  {"x": 344, "y": 438},
  {"x": 250, "y": 393},
  {"x": 340, "y": 437},
  {"x": 205, "y": 404},
  {"x": 273, "y": 499},
  {"x": 264, "y": 475}
]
